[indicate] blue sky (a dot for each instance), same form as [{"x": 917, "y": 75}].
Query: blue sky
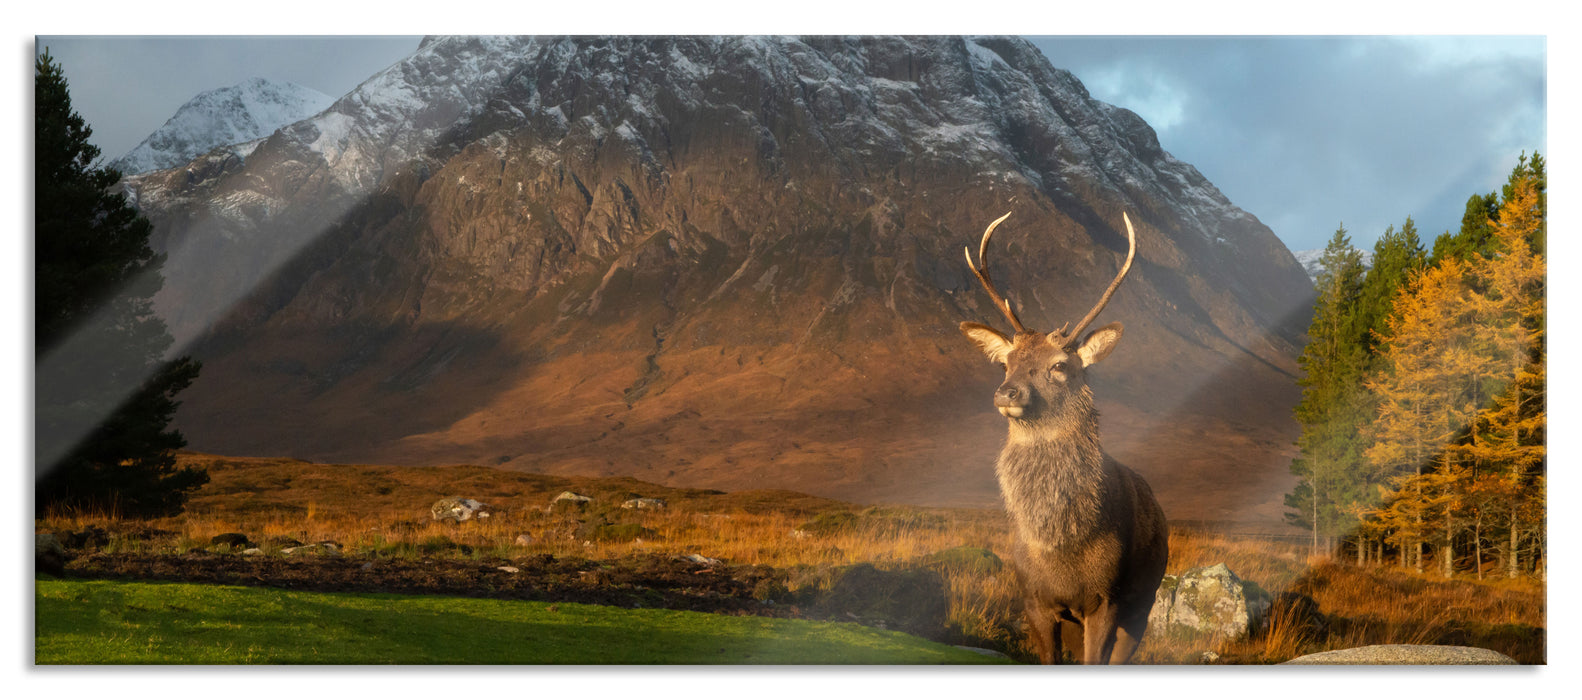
[{"x": 1307, "y": 133}]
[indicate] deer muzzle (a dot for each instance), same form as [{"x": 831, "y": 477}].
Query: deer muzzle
[{"x": 1011, "y": 400}]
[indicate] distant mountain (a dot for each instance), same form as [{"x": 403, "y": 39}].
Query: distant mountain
[
  {"x": 731, "y": 262},
  {"x": 1311, "y": 263},
  {"x": 231, "y": 116}
]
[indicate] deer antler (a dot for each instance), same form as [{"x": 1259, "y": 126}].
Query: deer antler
[
  {"x": 1131, "y": 239},
  {"x": 981, "y": 269}
]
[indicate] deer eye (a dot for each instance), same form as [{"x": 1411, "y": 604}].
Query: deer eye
[{"x": 1059, "y": 367}]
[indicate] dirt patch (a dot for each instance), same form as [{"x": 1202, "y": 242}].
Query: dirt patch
[{"x": 638, "y": 582}]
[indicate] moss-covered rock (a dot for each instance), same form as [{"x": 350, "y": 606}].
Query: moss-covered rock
[
  {"x": 912, "y": 600},
  {"x": 964, "y": 559}
]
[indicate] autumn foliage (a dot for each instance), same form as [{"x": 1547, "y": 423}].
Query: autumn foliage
[{"x": 1424, "y": 436}]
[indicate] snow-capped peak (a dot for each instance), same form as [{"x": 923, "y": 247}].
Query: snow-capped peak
[{"x": 221, "y": 117}]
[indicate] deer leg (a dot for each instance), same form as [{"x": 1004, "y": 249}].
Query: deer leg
[
  {"x": 1044, "y": 628},
  {"x": 1128, "y": 635},
  {"x": 1098, "y": 638}
]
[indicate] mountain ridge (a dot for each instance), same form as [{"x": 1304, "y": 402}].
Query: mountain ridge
[
  {"x": 237, "y": 116},
  {"x": 711, "y": 260}
]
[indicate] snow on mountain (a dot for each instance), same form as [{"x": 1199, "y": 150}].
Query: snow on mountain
[
  {"x": 749, "y": 247},
  {"x": 1312, "y": 263},
  {"x": 238, "y": 115}
]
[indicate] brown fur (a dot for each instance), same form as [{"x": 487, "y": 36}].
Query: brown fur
[{"x": 1090, "y": 540}]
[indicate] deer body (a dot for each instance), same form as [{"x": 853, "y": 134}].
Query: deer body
[{"x": 1090, "y": 541}]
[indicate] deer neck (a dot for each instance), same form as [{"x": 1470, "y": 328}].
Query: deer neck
[{"x": 1052, "y": 476}]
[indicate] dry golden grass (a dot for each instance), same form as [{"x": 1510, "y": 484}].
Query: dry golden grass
[{"x": 383, "y": 511}]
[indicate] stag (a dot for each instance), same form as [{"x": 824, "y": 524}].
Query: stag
[{"x": 1090, "y": 541}]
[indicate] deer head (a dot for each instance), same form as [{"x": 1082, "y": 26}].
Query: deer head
[{"x": 1044, "y": 372}]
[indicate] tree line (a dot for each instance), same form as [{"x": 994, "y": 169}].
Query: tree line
[
  {"x": 1423, "y": 400},
  {"x": 98, "y": 448}
]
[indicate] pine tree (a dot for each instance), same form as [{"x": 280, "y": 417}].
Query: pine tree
[
  {"x": 1331, "y": 406},
  {"x": 95, "y": 330},
  {"x": 1396, "y": 255}
]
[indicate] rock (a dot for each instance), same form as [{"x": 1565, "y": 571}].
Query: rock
[
  {"x": 48, "y": 554},
  {"x": 231, "y": 539},
  {"x": 645, "y": 503},
  {"x": 568, "y": 500},
  {"x": 456, "y": 509},
  {"x": 250, "y": 551},
  {"x": 322, "y": 547},
  {"x": 1406, "y": 655},
  {"x": 509, "y": 569},
  {"x": 524, "y": 540},
  {"x": 700, "y": 559},
  {"x": 91, "y": 537},
  {"x": 1208, "y": 600},
  {"x": 913, "y": 600},
  {"x": 965, "y": 559}
]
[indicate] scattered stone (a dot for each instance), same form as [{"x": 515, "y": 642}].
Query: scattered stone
[
  {"x": 800, "y": 534},
  {"x": 325, "y": 547},
  {"x": 1209, "y": 600},
  {"x": 700, "y": 559},
  {"x": 645, "y": 504},
  {"x": 231, "y": 539},
  {"x": 368, "y": 566},
  {"x": 252, "y": 551},
  {"x": 568, "y": 500},
  {"x": 509, "y": 569},
  {"x": 456, "y": 509},
  {"x": 1406, "y": 655},
  {"x": 622, "y": 532},
  {"x": 48, "y": 554},
  {"x": 524, "y": 540}
]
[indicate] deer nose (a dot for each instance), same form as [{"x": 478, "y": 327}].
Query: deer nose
[{"x": 1010, "y": 397}]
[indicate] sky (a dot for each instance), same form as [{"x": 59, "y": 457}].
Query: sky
[{"x": 1306, "y": 133}]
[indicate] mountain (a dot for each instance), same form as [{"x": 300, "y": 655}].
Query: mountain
[
  {"x": 720, "y": 262},
  {"x": 235, "y": 116},
  {"x": 1311, "y": 261}
]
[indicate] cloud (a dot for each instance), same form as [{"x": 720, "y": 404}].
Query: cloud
[{"x": 1309, "y": 132}]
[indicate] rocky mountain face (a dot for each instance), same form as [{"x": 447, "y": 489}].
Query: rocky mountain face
[
  {"x": 235, "y": 116},
  {"x": 1312, "y": 261},
  {"x": 728, "y": 262}
]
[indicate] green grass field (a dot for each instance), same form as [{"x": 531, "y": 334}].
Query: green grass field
[{"x": 113, "y": 622}]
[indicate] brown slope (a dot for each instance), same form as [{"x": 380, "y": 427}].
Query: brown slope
[{"x": 696, "y": 294}]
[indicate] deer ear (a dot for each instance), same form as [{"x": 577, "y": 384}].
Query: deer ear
[
  {"x": 1098, "y": 344},
  {"x": 994, "y": 345}
]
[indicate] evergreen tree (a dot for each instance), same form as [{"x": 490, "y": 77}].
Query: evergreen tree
[
  {"x": 1475, "y": 233},
  {"x": 95, "y": 330},
  {"x": 1396, "y": 255},
  {"x": 1331, "y": 405}
]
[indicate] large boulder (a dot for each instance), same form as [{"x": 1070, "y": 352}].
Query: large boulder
[
  {"x": 569, "y": 501},
  {"x": 48, "y": 554},
  {"x": 1208, "y": 600},
  {"x": 1406, "y": 655},
  {"x": 456, "y": 509},
  {"x": 913, "y": 600}
]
